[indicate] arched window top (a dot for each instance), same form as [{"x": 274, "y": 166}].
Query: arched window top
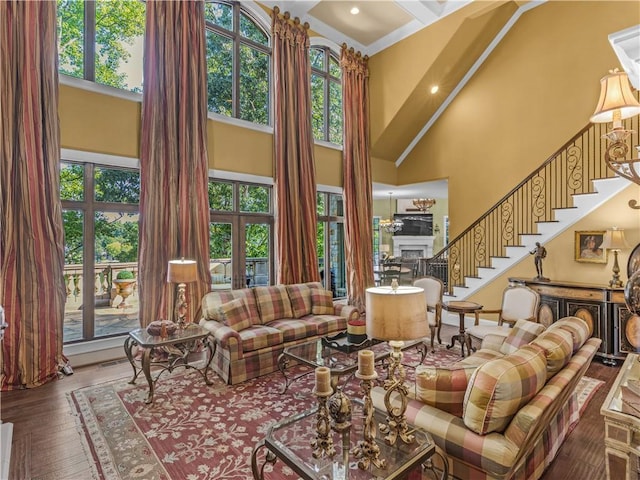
[
  {"x": 326, "y": 91},
  {"x": 238, "y": 60},
  {"x": 221, "y": 15}
]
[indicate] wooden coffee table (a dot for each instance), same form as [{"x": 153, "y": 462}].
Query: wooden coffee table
[{"x": 167, "y": 353}]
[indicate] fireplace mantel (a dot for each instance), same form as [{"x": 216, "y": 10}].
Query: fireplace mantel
[{"x": 409, "y": 242}]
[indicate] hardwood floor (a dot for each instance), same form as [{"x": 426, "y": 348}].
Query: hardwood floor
[{"x": 46, "y": 445}]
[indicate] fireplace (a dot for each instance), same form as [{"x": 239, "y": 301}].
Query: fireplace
[{"x": 407, "y": 246}]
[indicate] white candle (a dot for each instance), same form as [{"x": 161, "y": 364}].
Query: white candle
[
  {"x": 323, "y": 380},
  {"x": 365, "y": 362}
]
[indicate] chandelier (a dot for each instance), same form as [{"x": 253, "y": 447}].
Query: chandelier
[
  {"x": 424, "y": 204},
  {"x": 391, "y": 225},
  {"x": 616, "y": 103}
]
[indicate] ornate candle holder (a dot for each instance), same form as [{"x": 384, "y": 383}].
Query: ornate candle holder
[
  {"x": 367, "y": 450},
  {"x": 396, "y": 425},
  {"x": 340, "y": 411},
  {"x": 323, "y": 443}
]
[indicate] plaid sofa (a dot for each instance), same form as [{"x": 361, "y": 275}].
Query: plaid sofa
[
  {"x": 497, "y": 415},
  {"x": 253, "y": 326}
]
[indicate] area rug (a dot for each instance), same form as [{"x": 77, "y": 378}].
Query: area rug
[{"x": 197, "y": 432}]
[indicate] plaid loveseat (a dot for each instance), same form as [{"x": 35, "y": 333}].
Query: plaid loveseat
[
  {"x": 504, "y": 415},
  {"x": 253, "y": 326}
]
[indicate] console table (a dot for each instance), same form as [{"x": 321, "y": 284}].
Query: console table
[{"x": 602, "y": 307}]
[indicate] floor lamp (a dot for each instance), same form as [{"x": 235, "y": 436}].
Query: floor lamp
[
  {"x": 182, "y": 272},
  {"x": 396, "y": 315}
]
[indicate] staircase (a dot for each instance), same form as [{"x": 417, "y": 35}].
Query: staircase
[{"x": 570, "y": 184}]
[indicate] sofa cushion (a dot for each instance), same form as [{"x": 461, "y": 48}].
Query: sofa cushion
[
  {"x": 235, "y": 314},
  {"x": 260, "y": 336},
  {"x": 558, "y": 347},
  {"x": 300, "y": 297},
  {"x": 443, "y": 387},
  {"x": 321, "y": 301},
  {"x": 273, "y": 303},
  {"x": 500, "y": 387},
  {"x": 212, "y": 301},
  {"x": 480, "y": 357},
  {"x": 523, "y": 332},
  {"x": 327, "y": 324},
  {"x": 578, "y": 328},
  {"x": 295, "y": 329}
]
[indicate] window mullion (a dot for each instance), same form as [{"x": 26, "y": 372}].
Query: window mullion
[
  {"x": 90, "y": 40},
  {"x": 88, "y": 269}
]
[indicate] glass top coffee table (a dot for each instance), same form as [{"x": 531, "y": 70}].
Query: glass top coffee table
[
  {"x": 290, "y": 441},
  {"x": 338, "y": 354}
]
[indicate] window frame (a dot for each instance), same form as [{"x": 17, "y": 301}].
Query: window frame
[
  {"x": 239, "y": 40},
  {"x": 329, "y": 52}
]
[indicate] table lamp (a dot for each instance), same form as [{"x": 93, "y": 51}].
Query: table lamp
[
  {"x": 182, "y": 272},
  {"x": 614, "y": 240},
  {"x": 396, "y": 316}
]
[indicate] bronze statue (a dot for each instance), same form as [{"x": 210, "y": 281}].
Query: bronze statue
[{"x": 539, "y": 254}]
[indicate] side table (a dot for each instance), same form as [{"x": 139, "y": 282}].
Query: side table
[
  {"x": 461, "y": 308},
  {"x": 621, "y": 412},
  {"x": 176, "y": 348}
]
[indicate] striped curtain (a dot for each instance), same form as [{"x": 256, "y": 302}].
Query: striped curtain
[
  {"x": 32, "y": 289},
  {"x": 296, "y": 221},
  {"x": 174, "y": 205},
  {"x": 358, "y": 199}
]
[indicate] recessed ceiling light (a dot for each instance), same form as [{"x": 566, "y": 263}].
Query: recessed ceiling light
[
  {"x": 355, "y": 11},
  {"x": 434, "y": 89}
]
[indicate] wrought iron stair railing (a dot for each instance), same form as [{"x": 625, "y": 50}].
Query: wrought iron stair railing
[{"x": 568, "y": 172}]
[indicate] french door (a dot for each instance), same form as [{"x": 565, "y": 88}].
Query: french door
[{"x": 241, "y": 251}]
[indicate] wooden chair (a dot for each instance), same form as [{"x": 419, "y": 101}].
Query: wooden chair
[
  {"x": 433, "y": 292},
  {"x": 390, "y": 271},
  {"x": 518, "y": 303}
]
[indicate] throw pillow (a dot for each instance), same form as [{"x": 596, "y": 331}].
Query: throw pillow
[
  {"x": 579, "y": 329},
  {"x": 501, "y": 387},
  {"x": 235, "y": 314},
  {"x": 558, "y": 347},
  {"x": 322, "y": 302},
  {"x": 300, "y": 296},
  {"x": 523, "y": 332},
  {"x": 273, "y": 303},
  {"x": 443, "y": 387}
]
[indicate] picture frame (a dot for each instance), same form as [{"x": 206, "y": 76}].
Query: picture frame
[
  {"x": 588, "y": 246},
  {"x": 633, "y": 264}
]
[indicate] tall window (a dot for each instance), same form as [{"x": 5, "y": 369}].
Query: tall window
[
  {"x": 240, "y": 235},
  {"x": 100, "y": 217},
  {"x": 326, "y": 95},
  {"x": 102, "y": 41},
  {"x": 330, "y": 243},
  {"x": 238, "y": 59}
]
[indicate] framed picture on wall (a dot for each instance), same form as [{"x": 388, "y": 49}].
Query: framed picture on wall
[
  {"x": 588, "y": 247},
  {"x": 634, "y": 261}
]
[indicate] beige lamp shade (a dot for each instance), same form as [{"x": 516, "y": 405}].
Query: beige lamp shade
[
  {"x": 616, "y": 99},
  {"x": 182, "y": 271},
  {"x": 399, "y": 315},
  {"x": 614, "y": 240},
  {"x": 384, "y": 248}
]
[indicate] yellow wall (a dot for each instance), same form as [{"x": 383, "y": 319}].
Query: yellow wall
[
  {"x": 536, "y": 90},
  {"x": 93, "y": 122}
]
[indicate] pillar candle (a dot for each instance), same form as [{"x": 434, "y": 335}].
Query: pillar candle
[
  {"x": 365, "y": 362},
  {"x": 323, "y": 380}
]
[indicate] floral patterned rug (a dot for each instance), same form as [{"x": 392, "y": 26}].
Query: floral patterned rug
[{"x": 197, "y": 432}]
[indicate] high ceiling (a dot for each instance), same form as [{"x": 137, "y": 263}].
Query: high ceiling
[{"x": 378, "y": 25}]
